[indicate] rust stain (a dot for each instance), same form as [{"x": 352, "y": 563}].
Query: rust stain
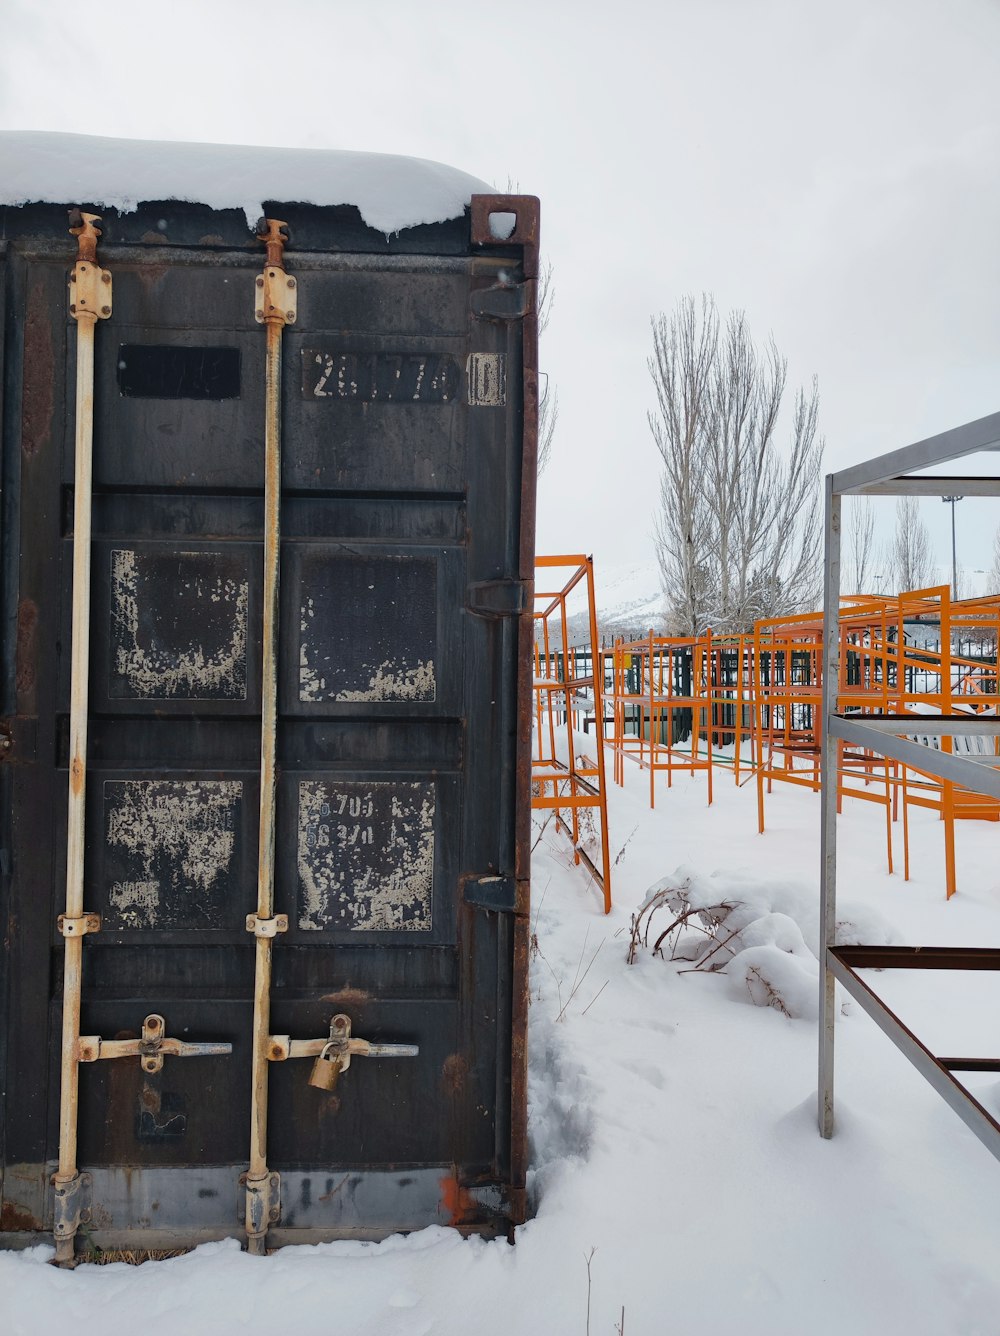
[
  {"x": 347, "y": 997},
  {"x": 39, "y": 373},
  {"x": 149, "y": 1098},
  {"x": 453, "y": 1073},
  {"x": 14, "y": 1217},
  {"x": 77, "y": 774},
  {"x": 150, "y": 275},
  {"x": 27, "y": 626}
]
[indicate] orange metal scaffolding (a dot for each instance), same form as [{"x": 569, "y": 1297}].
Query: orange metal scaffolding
[
  {"x": 563, "y": 779},
  {"x": 765, "y": 689},
  {"x": 670, "y": 688}
]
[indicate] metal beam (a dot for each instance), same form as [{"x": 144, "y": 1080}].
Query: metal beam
[
  {"x": 934, "y": 724},
  {"x": 983, "y": 434},
  {"x": 932, "y": 486},
  {"x": 981, "y": 776},
  {"x": 919, "y": 957},
  {"x": 968, "y": 1108}
]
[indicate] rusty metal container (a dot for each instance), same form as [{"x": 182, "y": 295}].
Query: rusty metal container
[{"x": 407, "y": 412}]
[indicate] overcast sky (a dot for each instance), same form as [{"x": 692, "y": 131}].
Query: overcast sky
[{"x": 831, "y": 169}]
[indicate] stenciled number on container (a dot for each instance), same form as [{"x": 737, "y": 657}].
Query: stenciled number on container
[
  {"x": 380, "y": 377},
  {"x": 366, "y": 856}
]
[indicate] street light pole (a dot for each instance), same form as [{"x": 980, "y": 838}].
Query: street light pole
[{"x": 950, "y": 500}]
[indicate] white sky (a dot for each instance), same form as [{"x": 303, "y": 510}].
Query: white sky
[{"x": 831, "y": 169}]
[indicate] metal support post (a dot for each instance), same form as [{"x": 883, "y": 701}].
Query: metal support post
[{"x": 828, "y": 800}]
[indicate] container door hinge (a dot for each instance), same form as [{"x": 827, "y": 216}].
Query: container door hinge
[
  {"x": 500, "y": 895},
  {"x": 504, "y": 301},
  {"x": 500, "y": 598},
  {"x": 71, "y": 1205},
  {"x": 501, "y": 1199}
]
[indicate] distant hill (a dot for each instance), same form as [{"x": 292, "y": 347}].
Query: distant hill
[{"x": 628, "y": 598}]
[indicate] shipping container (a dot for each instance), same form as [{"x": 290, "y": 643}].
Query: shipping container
[{"x": 264, "y": 728}]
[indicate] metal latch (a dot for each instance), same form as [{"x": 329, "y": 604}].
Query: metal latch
[
  {"x": 152, "y": 1048},
  {"x": 333, "y": 1054}
]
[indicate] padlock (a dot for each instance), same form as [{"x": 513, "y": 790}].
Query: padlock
[{"x": 327, "y": 1068}]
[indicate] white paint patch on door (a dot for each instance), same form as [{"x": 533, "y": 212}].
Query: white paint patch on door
[
  {"x": 366, "y": 855},
  {"x": 171, "y": 660},
  {"x": 177, "y": 838}
]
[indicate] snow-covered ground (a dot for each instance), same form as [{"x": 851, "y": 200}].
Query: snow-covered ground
[{"x": 673, "y": 1129}]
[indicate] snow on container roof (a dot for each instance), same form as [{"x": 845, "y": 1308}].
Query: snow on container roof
[{"x": 390, "y": 192}]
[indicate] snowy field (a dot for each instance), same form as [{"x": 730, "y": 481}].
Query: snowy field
[{"x": 674, "y": 1141}]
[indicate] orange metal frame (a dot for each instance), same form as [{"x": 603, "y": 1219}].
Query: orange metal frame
[
  {"x": 568, "y": 782},
  {"x": 778, "y": 682},
  {"x": 650, "y": 707}
]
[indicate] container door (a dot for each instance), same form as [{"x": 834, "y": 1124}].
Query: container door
[
  {"x": 397, "y": 741},
  {"x": 397, "y": 732}
]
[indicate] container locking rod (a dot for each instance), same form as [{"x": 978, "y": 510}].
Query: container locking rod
[
  {"x": 89, "y": 301},
  {"x": 274, "y": 307}
]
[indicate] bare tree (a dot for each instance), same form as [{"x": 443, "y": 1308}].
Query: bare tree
[
  {"x": 738, "y": 525},
  {"x": 861, "y": 553},
  {"x": 548, "y": 404},
  {"x": 993, "y": 587},
  {"x": 912, "y": 558},
  {"x": 684, "y": 352}
]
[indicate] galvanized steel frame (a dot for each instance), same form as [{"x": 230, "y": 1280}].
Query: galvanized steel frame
[{"x": 889, "y": 475}]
